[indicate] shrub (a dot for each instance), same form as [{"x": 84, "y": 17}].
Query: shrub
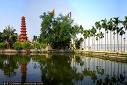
[
  {"x": 21, "y": 45},
  {"x": 2, "y": 45},
  {"x": 38, "y": 45},
  {"x": 17, "y": 45},
  {"x": 26, "y": 45}
]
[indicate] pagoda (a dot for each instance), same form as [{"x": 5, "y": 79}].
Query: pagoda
[{"x": 23, "y": 35}]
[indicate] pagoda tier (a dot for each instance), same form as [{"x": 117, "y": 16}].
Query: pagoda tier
[{"x": 23, "y": 35}]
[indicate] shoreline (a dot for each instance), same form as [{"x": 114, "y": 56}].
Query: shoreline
[{"x": 113, "y": 56}]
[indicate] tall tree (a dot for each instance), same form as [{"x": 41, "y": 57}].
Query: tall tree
[
  {"x": 124, "y": 43},
  {"x": 116, "y": 27},
  {"x": 97, "y": 38},
  {"x": 110, "y": 28},
  {"x": 93, "y": 34},
  {"x": 122, "y": 32},
  {"x": 85, "y": 37},
  {"x": 57, "y": 31},
  {"x": 125, "y": 27},
  {"x": 9, "y": 36},
  {"x": 98, "y": 26},
  {"x": 101, "y": 35},
  {"x": 104, "y": 26}
]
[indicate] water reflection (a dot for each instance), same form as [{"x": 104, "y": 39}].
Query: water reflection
[{"x": 62, "y": 69}]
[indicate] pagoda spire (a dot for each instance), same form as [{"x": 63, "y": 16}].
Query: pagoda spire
[{"x": 23, "y": 34}]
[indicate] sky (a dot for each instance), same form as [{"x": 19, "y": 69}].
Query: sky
[{"x": 84, "y": 12}]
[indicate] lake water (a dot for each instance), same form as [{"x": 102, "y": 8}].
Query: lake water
[{"x": 62, "y": 69}]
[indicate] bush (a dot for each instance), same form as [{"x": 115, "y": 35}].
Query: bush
[
  {"x": 38, "y": 45},
  {"x": 2, "y": 45},
  {"x": 17, "y": 45},
  {"x": 26, "y": 45},
  {"x": 21, "y": 45}
]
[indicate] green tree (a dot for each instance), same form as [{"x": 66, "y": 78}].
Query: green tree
[
  {"x": 122, "y": 32},
  {"x": 78, "y": 43},
  {"x": 101, "y": 35},
  {"x": 35, "y": 38},
  {"x": 110, "y": 28},
  {"x": 2, "y": 45},
  {"x": 1, "y": 37},
  {"x": 116, "y": 27},
  {"x": 17, "y": 46},
  {"x": 98, "y": 27},
  {"x": 93, "y": 34},
  {"x": 26, "y": 45},
  {"x": 57, "y": 31},
  {"x": 85, "y": 37},
  {"x": 9, "y": 36},
  {"x": 104, "y": 26},
  {"x": 22, "y": 45}
]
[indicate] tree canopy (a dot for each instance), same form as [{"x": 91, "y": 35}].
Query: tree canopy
[{"x": 57, "y": 31}]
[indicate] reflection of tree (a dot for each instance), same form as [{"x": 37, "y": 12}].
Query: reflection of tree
[
  {"x": 99, "y": 70},
  {"x": 8, "y": 64},
  {"x": 92, "y": 74},
  {"x": 57, "y": 69}
]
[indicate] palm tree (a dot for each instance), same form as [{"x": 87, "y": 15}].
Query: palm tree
[
  {"x": 104, "y": 26},
  {"x": 98, "y": 26},
  {"x": 85, "y": 37},
  {"x": 116, "y": 27},
  {"x": 93, "y": 34},
  {"x": 97, "y": 38},
  {"x": 9, "y": 35},
  {"x": 89, "y": 35},
  {"x": 101, "y": 35},
  {"x": 122, "y": 32},
  {"x": 124, "y": 43},
  {"x": 125, "y": 27},
  {"x": 114, "y": 40},
  {"x": 110, "y": 28},
  {"x": 125, "y": 23}
]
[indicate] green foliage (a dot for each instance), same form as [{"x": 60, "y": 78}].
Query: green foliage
[
  {"x": 78, "y": 42},
  {"x": 2, "y": 45},
  {"x": 17, "y": 45},
  {"x": 38, "y": 45},
  {"x": 26, "y": 45},
  {"x": 21, "y": 45},
  {"x": 57, "y": 31},
  {"x": 9, "y": 36}
]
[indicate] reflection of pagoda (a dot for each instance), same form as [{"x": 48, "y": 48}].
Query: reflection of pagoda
[{"x": 23, "y": 35}]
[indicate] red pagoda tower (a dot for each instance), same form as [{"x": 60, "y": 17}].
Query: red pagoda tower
[{"x": 23, "y": 35}]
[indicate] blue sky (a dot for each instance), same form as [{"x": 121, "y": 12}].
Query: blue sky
[{"x": 84, "y": 12}]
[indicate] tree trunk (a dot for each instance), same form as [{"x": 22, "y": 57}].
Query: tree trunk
[
  {"x": 88, "y": 43},
  {"x": 84, "y": 43},
  {"x": 105, "y": 40},
  {"x": 92, "y": 43},
  {"x": 97, "y": 45},
  {"x": 124, "y": 45},
  {"x": 114, "y": 41},
  {"x": 117, "y": 43},
  {"x": 121, "y": 43},
  {"x": 110, "y": 41},
  {"x": 101, "y": 44}
]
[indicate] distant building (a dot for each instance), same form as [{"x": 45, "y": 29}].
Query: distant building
[{"x": 23, "y": 35}]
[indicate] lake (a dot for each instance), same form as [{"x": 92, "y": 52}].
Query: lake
[{"x": 61, "y": 69}]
